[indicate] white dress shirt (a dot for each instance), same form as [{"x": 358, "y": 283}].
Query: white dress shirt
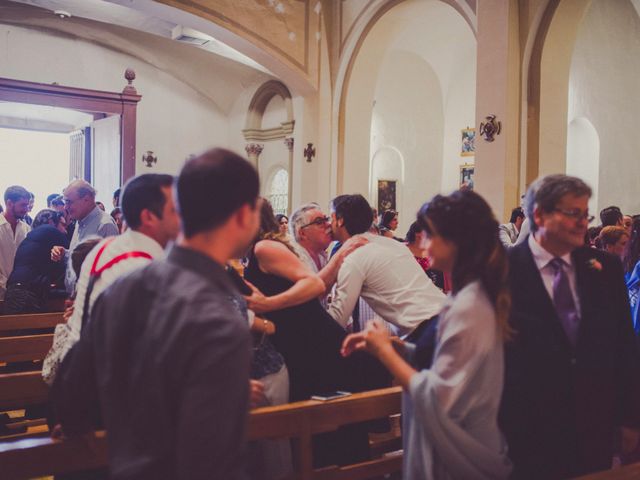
[
  {"x": 390, "y": 280},
  {"x": 543, "y": 259},
  {"x": 9, "y": 241},
  {"x": 508, "y": 234}
]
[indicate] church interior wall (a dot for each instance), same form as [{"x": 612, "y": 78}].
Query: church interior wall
[
  {"x": 174, "y": 120},
  {"x": 603, "y": 88}
]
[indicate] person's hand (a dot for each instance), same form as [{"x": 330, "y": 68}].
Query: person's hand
[
  {"x": 57, "y": 253},
  {"x": 257, "y": 300},
  {"x": 67, "y": 313},
  {"x": 374, "y": 339},
  {"x": 628, "y": 439},
  {"x": 352, "y": 245},
  {"x": 256, "y": 394},
  {"x": 265, "y": 325}
]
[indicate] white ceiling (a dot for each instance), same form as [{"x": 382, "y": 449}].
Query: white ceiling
[
  {"x": 217, "y": 77},
  {"x": 106, "y": 11}
]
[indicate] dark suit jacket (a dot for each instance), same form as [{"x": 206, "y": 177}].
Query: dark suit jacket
[{"x": 561, "y": 405}]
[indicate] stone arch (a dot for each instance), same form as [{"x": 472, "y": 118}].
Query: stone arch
[
  {"x": 352, "y": 46},
  {"x": 546, "y": 69},
  {"x": 253, "y": 131}
]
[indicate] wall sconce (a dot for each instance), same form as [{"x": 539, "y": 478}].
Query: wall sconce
[{"x": 149, "y": 158}]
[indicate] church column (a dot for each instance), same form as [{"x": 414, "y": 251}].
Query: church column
[
  {"x": 288, "y": 141},
  {"x": 253, "y": 152},
  {"x": 498, "y": 94}
]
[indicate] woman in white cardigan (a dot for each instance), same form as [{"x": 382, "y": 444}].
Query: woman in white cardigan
[{"x": 450, "y": 409}]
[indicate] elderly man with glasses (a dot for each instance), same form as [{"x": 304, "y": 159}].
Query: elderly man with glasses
[
  {"x": 311, "y": 231},
  {"x": 572, "y": 370}
]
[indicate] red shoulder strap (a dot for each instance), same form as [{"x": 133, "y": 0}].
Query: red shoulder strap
[{"x": 98, "y": 271}]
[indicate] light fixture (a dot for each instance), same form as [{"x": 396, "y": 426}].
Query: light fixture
[{"x": 62, "y": 14}]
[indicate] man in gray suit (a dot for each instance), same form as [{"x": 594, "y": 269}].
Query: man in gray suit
[{"x": 509, "y": 231}]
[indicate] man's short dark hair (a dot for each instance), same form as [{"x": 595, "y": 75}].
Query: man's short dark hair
[
  {"x": 15, "y": 193},
  {"x": 610, "y": 216},
  {"x": 144, "y": 192},
  {"x": 546, "y": 192},
  {"x": 116, "y": 195},
  {"x": 516, "y": 213},
  {"x": 58, "y": 201},
  {"x": 355, "y": 211},
  {"x": 212, "y": 186},
  {"x": 51, "y": 198}
]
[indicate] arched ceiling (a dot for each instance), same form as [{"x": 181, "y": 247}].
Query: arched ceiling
[{"x": 217, "y": 72}]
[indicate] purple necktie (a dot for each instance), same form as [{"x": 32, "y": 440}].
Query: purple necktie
[{"x": 563, "y": 301}]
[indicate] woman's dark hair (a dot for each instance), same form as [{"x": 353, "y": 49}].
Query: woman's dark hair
[
  {"x": 280, "y": 216},
  {"x": 465, "y": 219},
  {"x": 270, "y": 227},
  {"x": 46, "y": 217},
  {"x": 80, "y": 253},
  {"x": 386, "y": 218},
  {"x": 632, "y": 252},
  {"x": 414, "y": 228}
]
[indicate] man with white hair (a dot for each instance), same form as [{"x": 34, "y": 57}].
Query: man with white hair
[
  {"x": 80, "y": 203},
  {"x": 311, "y": 231}
]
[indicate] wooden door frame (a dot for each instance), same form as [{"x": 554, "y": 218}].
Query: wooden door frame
[{"x": 95, "y": 102}]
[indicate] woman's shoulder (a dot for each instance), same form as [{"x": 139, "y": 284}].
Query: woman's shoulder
[{"x": 472, "y": 304}]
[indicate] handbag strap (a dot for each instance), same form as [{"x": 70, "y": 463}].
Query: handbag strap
[{"x": 96, "y": 272}]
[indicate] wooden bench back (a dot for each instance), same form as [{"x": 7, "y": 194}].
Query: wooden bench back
[
  {"x": 24, "y": 348},
  {"x": 28, "y": 458},
  {"x": 32, "y": 321}
]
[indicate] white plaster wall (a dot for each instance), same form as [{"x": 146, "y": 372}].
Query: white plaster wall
[
  {"x": 583, "y": 156},
  {"x": 407, "y": 133},
  {"x": 604, "y": 89},
  {"x": 172, "y": 119},
  {"x": 418, "y": 64}
]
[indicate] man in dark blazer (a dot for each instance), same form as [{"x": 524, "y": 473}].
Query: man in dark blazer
[{"x": 572, "y": 381}]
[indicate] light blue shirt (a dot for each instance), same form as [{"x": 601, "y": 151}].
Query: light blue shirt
[{"x": 96, "y": 224}]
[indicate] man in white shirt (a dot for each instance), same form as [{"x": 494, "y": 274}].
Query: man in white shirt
[
  {"x": 148, "y": 206},
  {"x": 508, "y": 232},
  {"x": 80, "y": 203},
  {"x": 13, "y": 230},
  {"x": 383, "y": 272}
]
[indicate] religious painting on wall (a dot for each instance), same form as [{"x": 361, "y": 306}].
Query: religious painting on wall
[
  {"x": 466, "y": 176},
  {"x": 386, "y": 195},
  {"x": 468, "y": 148}
]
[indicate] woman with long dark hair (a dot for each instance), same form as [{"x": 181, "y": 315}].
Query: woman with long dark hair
[{"x": 450, "y": 410}]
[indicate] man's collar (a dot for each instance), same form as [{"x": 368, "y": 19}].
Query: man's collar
[
  {"x": 150, "y": 245},
  {"x": 542, "y": 257},
  {"x": 199, "y": 262},
  {"x": 90, "y": 216},
  {"x": 3, "y": 220}
]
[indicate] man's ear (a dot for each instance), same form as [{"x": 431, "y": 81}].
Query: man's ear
[
  {"x": 147, "y": 217},
  {"x": 537, "y": 216}
]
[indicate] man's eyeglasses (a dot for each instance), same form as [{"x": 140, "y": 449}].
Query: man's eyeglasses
[
  {"x": 318, "y": 221},
  {"x": 576, "y": 214}
]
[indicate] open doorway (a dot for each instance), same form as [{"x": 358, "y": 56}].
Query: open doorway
[{"x": 38, "y": 161}]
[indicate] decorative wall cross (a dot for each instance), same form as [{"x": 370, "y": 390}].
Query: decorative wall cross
[{"x": 309, "y": 152}]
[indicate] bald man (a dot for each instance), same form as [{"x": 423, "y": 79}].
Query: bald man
[{"x": 80, "y": 203}]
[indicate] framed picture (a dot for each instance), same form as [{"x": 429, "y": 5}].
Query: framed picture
[
  {"x": 468, "y": 146},
  {"x": 466, "y": 176},
  {"x": 386, "y": 195}
]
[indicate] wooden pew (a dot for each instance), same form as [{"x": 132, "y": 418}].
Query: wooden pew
[
  {"x": 34, "y": 457},
  {"x": 24, "y": 348},
  {"x": 32, "y": 321}
]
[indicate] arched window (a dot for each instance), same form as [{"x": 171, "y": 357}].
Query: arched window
[{"x": 279, "y": 191}]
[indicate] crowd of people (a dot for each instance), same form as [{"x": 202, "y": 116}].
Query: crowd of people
[{"x": 514, "y": 344}]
